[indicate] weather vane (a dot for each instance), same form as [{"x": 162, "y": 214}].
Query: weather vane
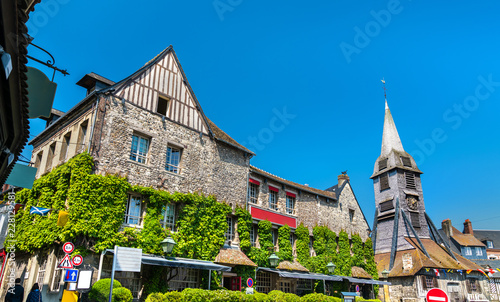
[{"x": 385, "y": 90}]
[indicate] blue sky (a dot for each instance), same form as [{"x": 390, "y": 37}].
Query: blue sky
[{"x": 319, "y": 63}]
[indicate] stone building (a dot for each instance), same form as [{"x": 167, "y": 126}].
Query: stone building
[
  {"x": 150, "y": 128},
  {"x": 406, "y": 242}
]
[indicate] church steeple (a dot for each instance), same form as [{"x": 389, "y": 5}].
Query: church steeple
[{"x": 390, "y": 137}]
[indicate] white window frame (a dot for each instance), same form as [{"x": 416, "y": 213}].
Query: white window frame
[
  {"x": 57, "y": 275},
  {"x": 169, "y": 165},
  {"x": 253, "y": 235},
  {"x": 489, "y": 244},
  {"x": 136, "y": 155},
  {"x": 468, "y": 251},
  {"x": 479, "y": 251},
  {"x": 273, "y": 200},
  {"x": 253, "y": 193},
  {"x": 290, "y": 200},
  {"x": 164, "y": 222},
  {"x": 129, "y": 219},
  {"x": 42, "y": 269},
  {"x": 230, "y": 229}
]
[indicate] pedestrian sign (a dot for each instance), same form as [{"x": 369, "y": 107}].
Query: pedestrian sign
[
  {"x": 71, "y": 275},
  {"x": 65, "y": 262}
]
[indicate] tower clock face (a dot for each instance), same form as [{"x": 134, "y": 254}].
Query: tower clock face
[{"x": 412, "y": 202}]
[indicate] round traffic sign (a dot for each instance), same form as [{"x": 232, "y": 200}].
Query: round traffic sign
[
  {"x": 249, "y": 282},
  {"x": 77, "y": 260},
  {"x": 68, "y": 247},
  {"x": 357, "y": 288},
  {"x": 437, "y": 295}
]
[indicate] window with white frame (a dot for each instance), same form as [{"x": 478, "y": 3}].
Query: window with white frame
[
  {"x": 42, "y": 268},
  {"x": 253, "y": 192},
  {"x": 133, "y": 214},
  {"x": 479, "y": 251},
  {"x": 57, "y": 276},
  {"x": 489, "y": 244},
  {"x": 65, "y": 147},
  {"x": 139, "y": 149},
  {"x": 253, "y": 235},
  {"x": 290, "y": 203},
  {"x": 183, "y": 278},
  {"x": 168, "y": 217},
  {"x": 274, "y": 232},
  {"x": 173, "y": 159},
  {"x": 273, "y": 199},
  {"x": 468, "y": 251},
  {"x": 230, "y": 229}
]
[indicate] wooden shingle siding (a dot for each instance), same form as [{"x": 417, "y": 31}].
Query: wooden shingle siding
[
  {"x": 382, "y": 164},
  {"x": 384, "y": 182},
  {"x": 164, "y": 78},
  {"x": 415, "y": 221},
  {"x": 386, "y": 206}
]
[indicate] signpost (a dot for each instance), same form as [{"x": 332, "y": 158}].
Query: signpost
[
  {"x": 437, "y": 295},
  {"x": 84, "y": 280},
  {"x": 125, "y": 259},
  {"x": 71, "y": 275},
  {"x": 249, "y": 282},
  {"x": 357, "y": 288},
  {"x": 77, "y": 260},
  {"x": 68, "y": 247},
  {"x": 65, "y": 262}
]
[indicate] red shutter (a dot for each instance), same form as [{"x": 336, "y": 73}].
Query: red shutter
[
  {"x": 254, "y": 181},
  {"x": 236, "y": 283},
  {"x": 273, "y": 189},
  {"x": 290, "y": 194}
]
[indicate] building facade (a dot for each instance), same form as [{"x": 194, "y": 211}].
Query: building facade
[{"x": 151, "y": 129}]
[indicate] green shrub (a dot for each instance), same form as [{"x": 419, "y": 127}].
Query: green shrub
[
  {"x": 367, "y": 300},
  {"x": 155, "y": 297},
  {"x": 100, "y": 290},
  {"x": 279, "y": 296},
  {"x": 121, "y": 294},
  {"x": 318, "y": 298},
  {"x": 172, "y": 297},
  {"x": 225, "y": 295},
  {"x": 196, "y": 295}
]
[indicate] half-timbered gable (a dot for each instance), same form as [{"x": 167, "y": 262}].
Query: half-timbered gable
[{"x": 161, "y": 86}]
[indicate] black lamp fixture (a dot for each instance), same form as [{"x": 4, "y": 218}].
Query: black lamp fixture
[
  {"x": 331, "y": 267},
  {"x": 168, "y": 244},
  {"x": 274, "y": 260}
]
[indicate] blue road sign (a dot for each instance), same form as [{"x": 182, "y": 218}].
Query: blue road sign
[{"x": 71, "y": 275}]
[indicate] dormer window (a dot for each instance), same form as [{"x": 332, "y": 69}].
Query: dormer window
[
  {"x": 382, "y": 164},
  {"x": 406, "y": 161},
  {"x": 489, "y": 244},
  {"x": 162, "y": 106}
]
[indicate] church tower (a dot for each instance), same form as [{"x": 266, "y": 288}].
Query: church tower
[{"x": 398, "y": 194}]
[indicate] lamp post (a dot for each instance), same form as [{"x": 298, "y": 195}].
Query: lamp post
[
  {"x": 331, "y": 267},
  {"x": 274, "y": 260},
  {"x": 168, "y": 244},
  {"x": 385, "y": 276}
]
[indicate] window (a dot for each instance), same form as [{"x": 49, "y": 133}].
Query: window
[
  {"x": 292, "y": 240},
  {"x": 415, "y": 219},
  {"x": 139, "y": 150},
  {"x": 285, "y": 286},
  {"x": 410, "y": 180},
  {"x": 453, "y": 287},
  {"x": 253, "y": 192},
  {"x": 57, "y": 277},
  {"x": 133, "y": 216},
  {"x": 304, "y": 286},
  {"x": 386, "y": 205},
  {"x": 263, "y": 282},
  {"x": 406, "y": 161},
  {"x": 38, "y": 160},
  {"x": 50, "y": 157},
  {"x": 173, "y": 159},
  {"x": 382, "y": 164},
  {"x": 489, "y": 244},
  {"x": 274, "y": 232},
  {"x": 65, "y": 147},
  {"x": 384, "y": 182},
  {"x": 430, "y": 282},
  {"x": 273, "y": 198},
  {"x": 168, "y": 217},
  {"x": 82, "y": 136},
  {"x": 183, "y": 278},
  {"x": 467, "y": 251},
  {"x": 290, "y": 203},
  {"x": 310, "y": 246},
  {"x": 130, "y": 280},
  {"x": 253, "y": 235},
  {"x": 479, "y": 251},
  {"x": 230, "y": 229},
  {"x": 473, "y": 286},
  {"x": 351, "y": 215},
  {"x": 42, "y": 268},
  {"x": 162, "y": 106}
]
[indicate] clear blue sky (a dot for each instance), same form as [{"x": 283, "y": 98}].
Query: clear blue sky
[{"x": 322, "y": 61}]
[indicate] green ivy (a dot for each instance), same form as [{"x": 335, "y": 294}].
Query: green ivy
[
  {"x": 260, "y": 255},
  {"x": 344, "y": 258},
  {"x": 244, "y": 272},
  {"x": 244, "y": 226},
  {"x": 370, "y": 265},
  {"x": 285, "y": 247},
  {"x": 302, "y": 244},
  {"x": 358, "y": 256}
]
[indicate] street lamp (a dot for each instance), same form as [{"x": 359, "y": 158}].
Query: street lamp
[
  {"x": 331, "y": 267},
  {"x": 274, "y": 260},
  {"x": 385, "y": 274},
  {"x": 168, "y": 244}
]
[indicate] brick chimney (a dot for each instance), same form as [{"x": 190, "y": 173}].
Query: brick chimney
[
  {"x": 343, "y": 178},
  {"x": 447, "y": 228},
  {"x": 468, "y": 227}
]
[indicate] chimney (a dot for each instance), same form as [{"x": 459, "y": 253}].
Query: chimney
[
  {"x": 447, "y": 228},
  {"x": 468, "y": 227},
  {"x": 343, "y": 178}
]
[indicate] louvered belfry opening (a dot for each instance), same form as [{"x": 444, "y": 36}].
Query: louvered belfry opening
[
  {"x": 382, "y": 164},
  {"x": 386, "y": 205},
  {"x": 406, "y": 161},
  {"x": 415, "y": 221},
  {"x": 410, "y": 180},
  {"x": 384, "y": 182}
]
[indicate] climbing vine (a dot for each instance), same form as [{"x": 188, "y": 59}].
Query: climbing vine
[
  {"x": 302, "y": 244},
  {"x": 260, "y": 255},
  {"x": 285, "y": 247},
  {"x": 244, "y": 226},
  {"x": 358, "y": 256},
  {"x": 370, "y": 265},
  {"x": 344, "y": 258}
]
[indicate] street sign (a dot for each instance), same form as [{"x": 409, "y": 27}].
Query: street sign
[
  {"x": 84, "y": 280},
  {"x": 68, "y": 247},
  {"x": 249, "y": 282},
  {"x": 357, "y": 288},
  {"x": 71, "y": 275},
  {"x": 65, "y": 262},
  {"x": 128, "y": 259},
  {"x": 437, "y": 295},
  {"x": 77, "y": 260}
]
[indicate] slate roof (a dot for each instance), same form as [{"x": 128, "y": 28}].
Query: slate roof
[
  {"x": 448, "y": 240},
  {"x": 492, "y": 235},
  {"x": 224, "y": 137},
  {"x": 465, "y": 239},
  {"x": 323, "y": 193},
  {"x": 439, "y": 259},
  {"x": 233, "y": 257}
]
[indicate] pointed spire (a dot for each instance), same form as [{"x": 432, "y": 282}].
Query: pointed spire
[{"x": 390, "y": 138}]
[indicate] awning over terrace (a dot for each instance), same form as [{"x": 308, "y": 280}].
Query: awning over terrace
[
  {"x": 300, "y": 275},
  {"x": 366, "y": 281}
]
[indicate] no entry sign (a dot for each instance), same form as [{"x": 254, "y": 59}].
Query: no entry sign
[{"x": 437, "y": 295}]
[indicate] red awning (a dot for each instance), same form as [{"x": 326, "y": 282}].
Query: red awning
[
  {"x": 273, "y": 189},
  {"x": 254, "y": 181},
  {"x": 290, "y": 194}
]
